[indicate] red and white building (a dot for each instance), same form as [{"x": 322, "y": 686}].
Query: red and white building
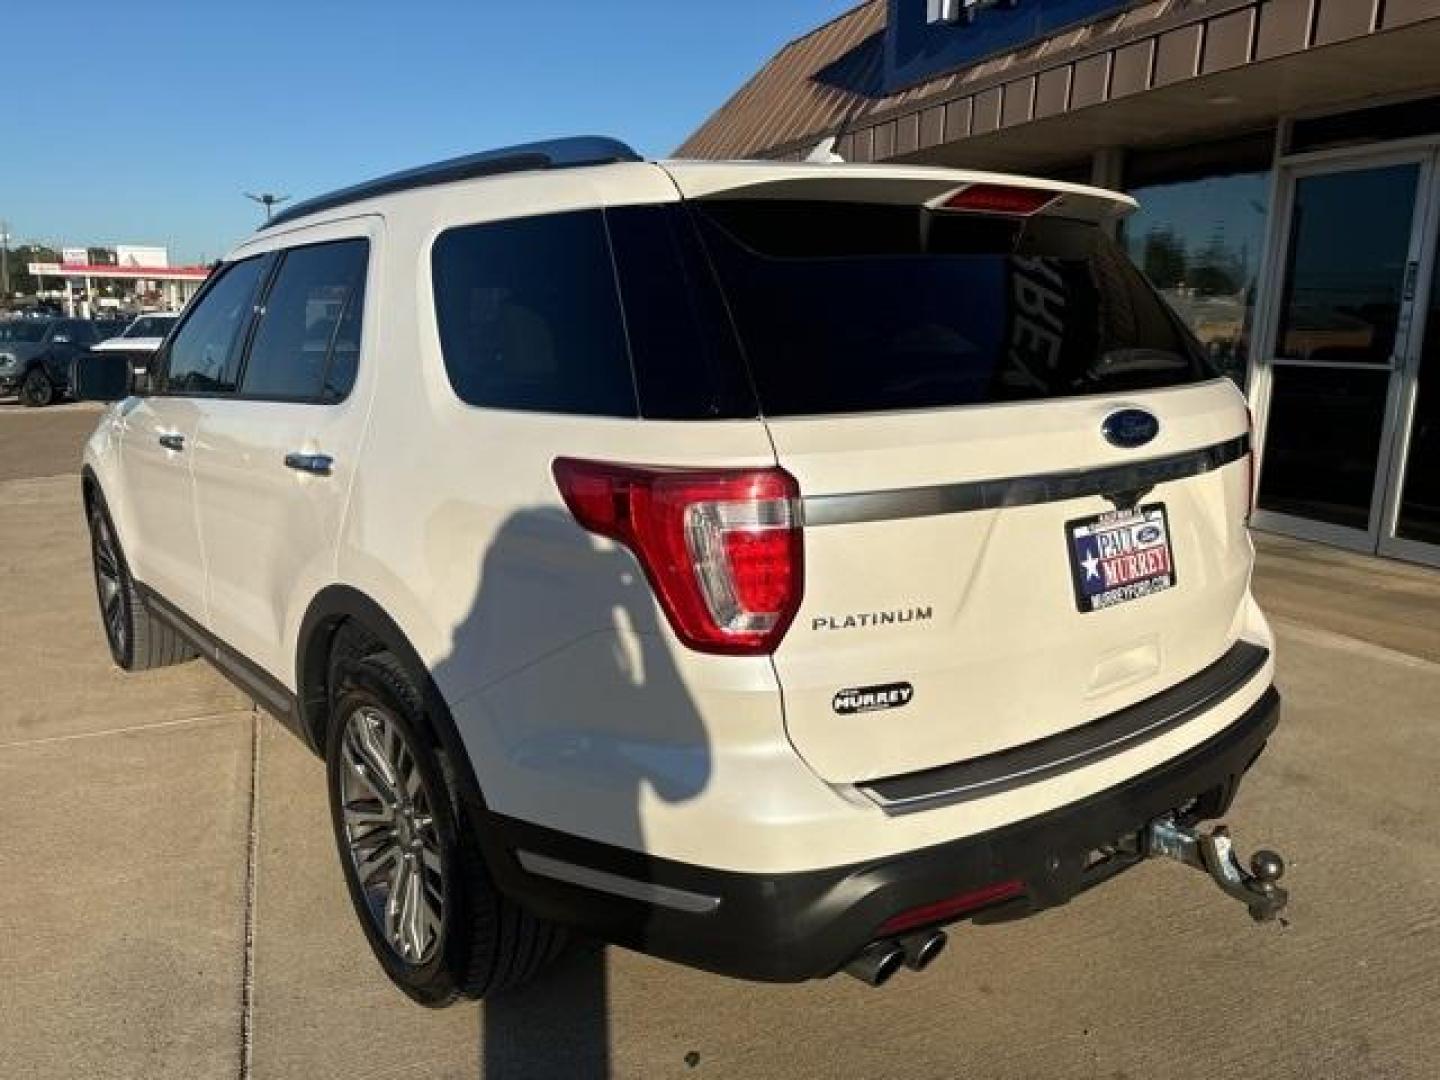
[{"x": 148, "y": 267}]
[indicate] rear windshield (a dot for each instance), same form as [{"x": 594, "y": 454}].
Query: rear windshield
[
  {"x": 150, "y": 326},
  {"x": 844, "y": 307}
]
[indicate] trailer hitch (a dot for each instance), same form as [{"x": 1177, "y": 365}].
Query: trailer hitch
[{"x": 1214, "y": 853}]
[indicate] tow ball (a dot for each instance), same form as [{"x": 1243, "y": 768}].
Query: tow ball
[{"x": 1214, "y": 854}]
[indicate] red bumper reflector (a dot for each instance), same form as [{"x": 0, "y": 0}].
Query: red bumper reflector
[{"x": 952, "y": 908}]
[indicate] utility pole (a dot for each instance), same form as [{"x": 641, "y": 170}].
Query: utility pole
[
  {"x": 267, "y": 200},
  {"x": 4, "y": 260}
]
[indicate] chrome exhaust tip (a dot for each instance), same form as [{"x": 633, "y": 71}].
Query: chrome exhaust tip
[
  {"x": 877, "y": 962},
  {"x": 922, "y": 948}
]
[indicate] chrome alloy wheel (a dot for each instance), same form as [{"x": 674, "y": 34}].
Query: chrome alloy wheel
[
  {"x": 109, "y": 585},
  {"x": 390, "y": 834}
]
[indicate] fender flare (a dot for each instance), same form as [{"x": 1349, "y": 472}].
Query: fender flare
[{"x": 330, "y": 607}]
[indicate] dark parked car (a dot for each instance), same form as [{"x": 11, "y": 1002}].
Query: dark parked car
[
  {"x": 36, "y": 354},
  {"x": 109, "y": 328}
]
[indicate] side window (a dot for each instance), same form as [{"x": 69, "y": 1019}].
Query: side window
[
  {"x": 205, "y": 353},
  {"x": 308, "y": 339},
  {"x": 529, "y": 316}
]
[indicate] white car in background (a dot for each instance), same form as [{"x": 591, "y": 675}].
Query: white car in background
[
  {"x": 144, "y": 335},
  {"x": 140, "y": 340}
]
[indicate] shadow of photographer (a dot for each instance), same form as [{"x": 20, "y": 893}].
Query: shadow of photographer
[{"x": 586, "y": 710}]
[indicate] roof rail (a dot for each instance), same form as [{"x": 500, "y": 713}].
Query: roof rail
[{"x": 551, "y": 154}]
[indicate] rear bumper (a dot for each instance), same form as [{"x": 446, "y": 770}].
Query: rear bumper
[{"x": 794, "y": 926}]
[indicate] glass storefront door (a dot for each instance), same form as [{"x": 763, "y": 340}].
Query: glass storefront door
[
  {"x": 1412, "y": 525},
  {"x": 1351, "y": 451}
]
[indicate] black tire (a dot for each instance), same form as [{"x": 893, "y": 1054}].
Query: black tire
[
  {"x": 485, "y": 942},
  {"x": 138, "y": 640},
  {"x": 36, "y": 389}
]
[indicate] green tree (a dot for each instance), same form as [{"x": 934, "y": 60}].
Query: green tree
[
  {"x": 1216, "y": 271},
  {"x": 20, "y": 258},
  {"x": 1164, "y": 258}
]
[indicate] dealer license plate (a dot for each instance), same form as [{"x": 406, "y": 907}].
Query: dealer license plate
[{"x": 1120, "y": 556}]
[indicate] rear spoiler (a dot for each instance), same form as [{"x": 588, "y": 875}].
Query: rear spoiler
[{"x": 944, "y": 189}]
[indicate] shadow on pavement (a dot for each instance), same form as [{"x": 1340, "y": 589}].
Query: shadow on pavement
[
  {"x": 557, "y": 1026},
  {"x": 596, "y": 724}
]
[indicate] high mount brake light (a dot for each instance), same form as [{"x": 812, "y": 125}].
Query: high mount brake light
[
  {"x": 999, "y": 199},
  {"x": 722, "y": 548}
]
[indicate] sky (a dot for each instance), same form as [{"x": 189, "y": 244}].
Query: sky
[{"x": 146, "y": 122}]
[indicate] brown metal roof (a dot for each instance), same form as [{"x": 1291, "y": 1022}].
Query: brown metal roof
[
  {"x": 833, "y": 74},
  {"x": 787, "y": 100}
]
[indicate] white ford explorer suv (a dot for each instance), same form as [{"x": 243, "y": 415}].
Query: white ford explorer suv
[{"x": 760, "y": 565}]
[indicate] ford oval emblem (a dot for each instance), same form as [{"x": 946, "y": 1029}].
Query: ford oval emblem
[{"x": 1130, "y": 428}]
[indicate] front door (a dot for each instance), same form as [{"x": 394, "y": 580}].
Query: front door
[
  {"x": 1336, "y": 389},
  {"x": 160, "y": 436},
  {"x": 162, "y": 543}
]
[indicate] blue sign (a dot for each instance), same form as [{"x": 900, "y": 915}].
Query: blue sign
[{"x": 921, "y": 43}]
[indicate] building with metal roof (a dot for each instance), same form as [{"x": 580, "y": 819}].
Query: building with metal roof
[{"x": 1286, "y": 158}]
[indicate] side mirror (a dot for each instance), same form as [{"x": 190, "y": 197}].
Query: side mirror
[{"x": 101, "y": 377}]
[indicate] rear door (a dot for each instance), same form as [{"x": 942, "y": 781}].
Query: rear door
[
  {"x": 274, "y": 460},
  {"x": 1024, "y": 490}
]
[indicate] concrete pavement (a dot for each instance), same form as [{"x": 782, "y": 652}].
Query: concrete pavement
[
  {"x": 155, "y": 922},
  {"x": 43, "y": 442}
]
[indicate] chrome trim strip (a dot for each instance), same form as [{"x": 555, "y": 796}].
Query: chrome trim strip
[
  {"x": 645, "y": 891},
  {"x": 1018, "y": 490},
  {"x": 1075, "y": 747}
]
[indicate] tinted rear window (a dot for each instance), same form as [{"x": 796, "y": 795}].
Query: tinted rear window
[
  {"x": 865, "y": 307},
  {"x": 605, "y": 313},
  {"x": 529, "y": 316}
]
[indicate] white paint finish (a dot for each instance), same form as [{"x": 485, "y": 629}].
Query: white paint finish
[
  {"x": 156, "y": 488},
  {"x": 998, "y": 581},
  {"x": 876, "y": 183},
  {"x": 730, "y": 792},
  {"x": 456, "y": 525},
  {"x": 490, "y": 198}
]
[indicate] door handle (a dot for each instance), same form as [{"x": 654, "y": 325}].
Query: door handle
[
  {"x": 319, "y": 464},
  {"x": 173, "y": 442}
]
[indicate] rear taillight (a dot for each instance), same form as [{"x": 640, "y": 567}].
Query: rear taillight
[
  {"x": 722, "y": 548},
  {"x": 998, "y": 199}
]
